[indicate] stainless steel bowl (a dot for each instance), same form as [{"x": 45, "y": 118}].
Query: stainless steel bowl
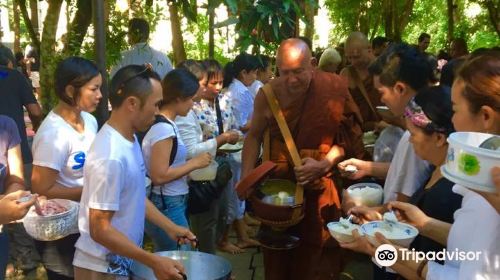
[{"x": 198, "y": 266}]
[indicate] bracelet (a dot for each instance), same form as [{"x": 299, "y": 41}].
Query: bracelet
[{"x": 421, "y": 268}]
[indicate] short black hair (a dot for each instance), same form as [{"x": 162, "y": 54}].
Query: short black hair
[
  {"x": 139, "y": 28},
  {"x": 76, "y": 72},
  {"x": 179, "y": 83},
  {"x": 213, "y": 68},
  {"x": 379, "y": 41},
  {"x": 423, "y": 36},
  {"x": 264, "y": 61},
  {"x": 193, "y": 66},
  {"x": 435, "y": 102},
  {"x": 401, "y": 62},
  {"x": 4, "y": 60},
  {"x": 132, "y": 80}
]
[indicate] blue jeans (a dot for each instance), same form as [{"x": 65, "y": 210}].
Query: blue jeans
[
  {"x": 4, "y": 252},
  {"x": 174, "y": 208}
]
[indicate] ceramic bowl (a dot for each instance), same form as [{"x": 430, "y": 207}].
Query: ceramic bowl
[
  {"x": 398, "y": 233},
  {"x": 367, "y": 194}
]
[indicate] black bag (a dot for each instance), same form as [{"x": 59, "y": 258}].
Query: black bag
[{"x": 203, "y": 193}]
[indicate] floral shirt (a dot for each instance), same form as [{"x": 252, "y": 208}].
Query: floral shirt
[{"x": 207, "y": 116}]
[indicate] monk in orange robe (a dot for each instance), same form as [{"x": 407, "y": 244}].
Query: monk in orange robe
[{"x": 312, "y": 102}]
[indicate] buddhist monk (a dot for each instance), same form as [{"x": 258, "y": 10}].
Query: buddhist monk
[{"x": 312, "y": 102}]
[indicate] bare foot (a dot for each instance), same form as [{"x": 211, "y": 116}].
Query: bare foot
[
  {"x": 251, "y": 221},
  {"x": 230, "y": 248},
  {"x": 247, "y": 243}
]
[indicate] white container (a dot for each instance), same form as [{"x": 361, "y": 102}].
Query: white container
[
  {"x": 467, "y": 164},
  {"x": 367, "y": 194},
  {"x": 48, "y": 228},
  {"x": 205, "y": 174},
  {"x": 341, "y": 233},
  {"x": 398, "y": 233}
]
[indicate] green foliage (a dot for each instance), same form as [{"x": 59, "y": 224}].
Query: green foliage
[
  {"x": 427, "y": 16},
  {"x": 266, "y": 23},
  {"x": 198, "y": 47}
]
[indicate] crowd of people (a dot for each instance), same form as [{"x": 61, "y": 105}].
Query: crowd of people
[{"x": 134, "y": 176}]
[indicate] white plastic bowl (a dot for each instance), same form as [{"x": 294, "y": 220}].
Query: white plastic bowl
[
  {"x": 369, "y": 197},
  {"x": 340, "y": 233},
  {"x": 467, "y": 164},
  {"x": 400, "y": 234},
  {"x": 205, "y": 174}
]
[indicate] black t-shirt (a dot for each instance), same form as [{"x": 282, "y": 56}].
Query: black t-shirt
[
  {"x": 16, "y": 92},
  {"x": 448, "y": 71},
  {"x": 438, "y": 202}
]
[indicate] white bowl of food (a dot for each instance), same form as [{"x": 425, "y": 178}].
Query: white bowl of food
[
  {"x": 342, "y": 230},
  {"x": 367, "y": 194},
  {"x": 205, "y": 174},
  {"x": 469, "y": 165},
  {"x": 59, "y": 219},
  {"x": 398, "y": 233}
]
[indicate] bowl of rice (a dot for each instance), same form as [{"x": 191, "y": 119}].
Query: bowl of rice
[
  {"x": 367, "y": 194},
  {"x": 342, "y": 230},
  {"x": 398, "y": 233}
]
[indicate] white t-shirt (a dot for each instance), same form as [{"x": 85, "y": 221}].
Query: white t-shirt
[
  {"x": 476, "y": 229},
  {"x": 162, "y": 131},
  {"x": 254, "y": 88},
  {"x": 407, "y": 171},
  {"x": 114, "y": 179},
  {"x": 59, "y": 146},
  {"x": 242, "y": 101}
]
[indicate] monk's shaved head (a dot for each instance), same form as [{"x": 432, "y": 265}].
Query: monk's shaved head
[
  {"x": 357, "y": 38},
  {"x": 294, "y": 65},
  {"x": 293, "y": 49}
]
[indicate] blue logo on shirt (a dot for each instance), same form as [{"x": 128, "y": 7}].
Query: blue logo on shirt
[{"x": 80, "y": 159}]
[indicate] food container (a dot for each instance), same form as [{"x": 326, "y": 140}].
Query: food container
[
  {"x": 53, "y": 227},
  {"x": 262, "y": 193},
  {"x": 205, "y": 174},
  {"x": 343, "y": 234},
  {"x": 398, "y": 233},
  {"x": 198, "y": 265},
  {"x": 367, "y": 194},
  {"x": 467, "y": 164}
]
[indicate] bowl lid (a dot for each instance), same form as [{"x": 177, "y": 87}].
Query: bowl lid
[{"x": 247, "y": 185}]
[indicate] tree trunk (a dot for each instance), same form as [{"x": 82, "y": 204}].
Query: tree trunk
[
  {"x": 388, "y": 19},
  {"x": 402, "y": 21},
  {"x": 177, "y": 40},
  {"x": 211, "y": 42},
  {"x": 310, "y": 11},
  {"x": 449, "y": 35},
  {"x": 48, "y": 58},
  {"x": 17, "y": 33},
  {"x": 34, "y": 15},
  {"x": 78, "y": 28},
  {"x": 135, "y": 8},
  {"x": 27, "y": 21},
  {"x": 493, "y": 11}
]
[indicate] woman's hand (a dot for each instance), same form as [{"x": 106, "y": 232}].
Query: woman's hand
[
  {"x": 12, "y": 209},
  {"x": 361, "y": 166},
  {"x": 409, "y": 213},
  {"x": 231, "y": 137},
  {"x": 494, "y": 197},
  {"x": 200, "y": 161},
  {"x": 363, "y": 214},
  {"x": 360, "y": 244}
]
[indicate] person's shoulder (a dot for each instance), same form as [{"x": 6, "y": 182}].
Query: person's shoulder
[
  {"x": 89, "y": 119},
  {"x": 336, "y": 83},
  {"x": 7, "y": 123}
]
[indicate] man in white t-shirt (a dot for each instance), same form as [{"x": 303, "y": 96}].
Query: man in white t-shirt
[{"x": 114, "y": 206}]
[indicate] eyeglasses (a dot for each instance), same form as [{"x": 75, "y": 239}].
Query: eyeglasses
[
  {"x": 416, "y": 115},
  {"x": 147, "y": 67}
]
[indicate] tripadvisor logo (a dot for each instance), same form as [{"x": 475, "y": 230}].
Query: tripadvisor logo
[{"x": 387, "y": 255}]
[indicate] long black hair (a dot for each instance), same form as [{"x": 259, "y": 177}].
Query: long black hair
[
  {"x": 435, "y": 102},
  {"x": 242, "y": 62},
  {"x": 76, "y": 72}
]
